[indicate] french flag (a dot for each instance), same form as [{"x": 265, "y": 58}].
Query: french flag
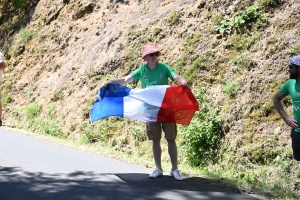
[{"x": 161, "y": 103}]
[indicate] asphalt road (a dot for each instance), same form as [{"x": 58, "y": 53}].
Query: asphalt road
[{"x": 33, "y": 168}]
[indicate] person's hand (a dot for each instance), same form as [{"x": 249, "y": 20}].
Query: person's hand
[
  {"x": 184, "y": 84},
  {"x": 290, "y": 121},
  {"x": 105, "y": 84}
]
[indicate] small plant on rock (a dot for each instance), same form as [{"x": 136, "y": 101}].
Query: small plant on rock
[{"x": 241, "y": 23}]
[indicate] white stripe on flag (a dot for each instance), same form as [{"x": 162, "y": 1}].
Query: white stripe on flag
[{"x": 144, "y": 104}]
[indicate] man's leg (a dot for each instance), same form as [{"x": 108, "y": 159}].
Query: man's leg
[
  {"x": 156, "y": 149},
  {"x": 154, "y": 134},
  {"x": 172, "y": 148},
  {"x": 170, "y": 130}
]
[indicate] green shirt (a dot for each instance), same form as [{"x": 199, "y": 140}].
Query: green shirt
[
  {"x": 292, "y": 87},
  {"x": 158, "y": 76}
]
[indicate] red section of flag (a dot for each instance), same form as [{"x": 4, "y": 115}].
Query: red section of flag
[{"x": 179, "y": 105}]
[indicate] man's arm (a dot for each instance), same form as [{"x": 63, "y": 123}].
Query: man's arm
[
  {"x": 122, "y": 81},
  {"x": 290, "y": 121},
  {"x": 180, "y": 80},
  {"x": 2, "y": 65}
]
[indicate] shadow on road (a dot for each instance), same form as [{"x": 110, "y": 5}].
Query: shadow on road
[{"x": 18, "y": 184}]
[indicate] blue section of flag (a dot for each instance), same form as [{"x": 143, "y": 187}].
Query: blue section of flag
[
  {"x": 109, "y": 102},
  {"x": 114, "y": 90}
]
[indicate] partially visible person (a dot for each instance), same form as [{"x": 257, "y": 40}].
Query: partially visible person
[
  {"x": 156, "y": 73},
  {"x": 291, "y": 87},
  {"x": 2, "y": 67}
]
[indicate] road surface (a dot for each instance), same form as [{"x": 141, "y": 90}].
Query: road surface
[{"x": 34, "y": 169}]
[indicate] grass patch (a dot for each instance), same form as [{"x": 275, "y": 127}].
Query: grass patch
[
  {"x": 174, "y": 19},
  {"x": 30, "y": 119},
  {"x": 243, "y": 62},
  {"x": 232, "y": 86},
  {"x": 295, "y": 50},
  {"x": 25, "y": 35},
  {"x": 243, "y": 42}
]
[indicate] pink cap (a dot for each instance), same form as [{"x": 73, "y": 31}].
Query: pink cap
[{"x": 149, "y": 48}]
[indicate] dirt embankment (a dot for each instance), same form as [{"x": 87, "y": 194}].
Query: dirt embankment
[{"x": 76, "y": 46}]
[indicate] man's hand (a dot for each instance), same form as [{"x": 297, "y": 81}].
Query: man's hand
[
  {"x": 290, "y": 121},
  {"x": 121, "y": 81},
  {"x": 2, "y": 65},
  {"x": 180, "y": 80},
  {"x": 184, "y": 83},
  {"x": 105, "y": 84}
]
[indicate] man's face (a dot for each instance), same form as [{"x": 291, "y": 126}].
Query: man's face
[
  {"x": 293, "y": 70},
  {"x": 152, "y": 57}
]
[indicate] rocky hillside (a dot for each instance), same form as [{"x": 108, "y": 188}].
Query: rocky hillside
[
  {"x": 68, "y": 49},
  {"x": 60, "y": 52}
]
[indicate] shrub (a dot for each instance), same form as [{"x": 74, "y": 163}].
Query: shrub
[
  {"x": 202, "y": 136},
  {"x": 241, "y": 23}
]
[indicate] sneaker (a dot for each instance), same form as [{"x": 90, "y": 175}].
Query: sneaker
[
  {"x": 0, "y": 122},
  {"x": 176, "y": 174},
  {"x": 156, "y": 173}
]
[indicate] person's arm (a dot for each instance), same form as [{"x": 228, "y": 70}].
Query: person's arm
[
  {"x": 180, "y": 80},
  {"x": 290, "y": 121},
  {"x": 2, "y": 65},
  {"x": 121, "y": 81}
]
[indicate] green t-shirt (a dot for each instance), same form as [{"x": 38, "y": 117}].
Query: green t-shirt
[
  {"x": 158, "y": 76},
  {"x": 292, "y": 87}
]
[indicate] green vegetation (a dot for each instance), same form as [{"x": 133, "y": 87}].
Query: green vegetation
[
  {"x": 57, "y": 96},
  {"x": 254, "y": 165},
  {"x": 242, "y": 61},
  {"x": 174, "y": 19},
  {"x": 7, "y": 96},
  {"x": 202, "y": 137},
  {"x": 243, "y": 42},
  {"x": 295, "y": 50},
  {"x": 14, "y": 14},
  {"x": 5, "y": 4},
  {"x": 25, "y": 35},
  {"x": 30, "y": 118},
  {"x": 269, "y": 5},
  {"x": 242, "y": 23},
  {"x": 157, "y": 31}
]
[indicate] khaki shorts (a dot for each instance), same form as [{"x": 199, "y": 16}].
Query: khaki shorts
[{"x": 154, "y": 130}]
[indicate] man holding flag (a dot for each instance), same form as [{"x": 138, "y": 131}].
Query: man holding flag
[{"x": 150, "y": 74}]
